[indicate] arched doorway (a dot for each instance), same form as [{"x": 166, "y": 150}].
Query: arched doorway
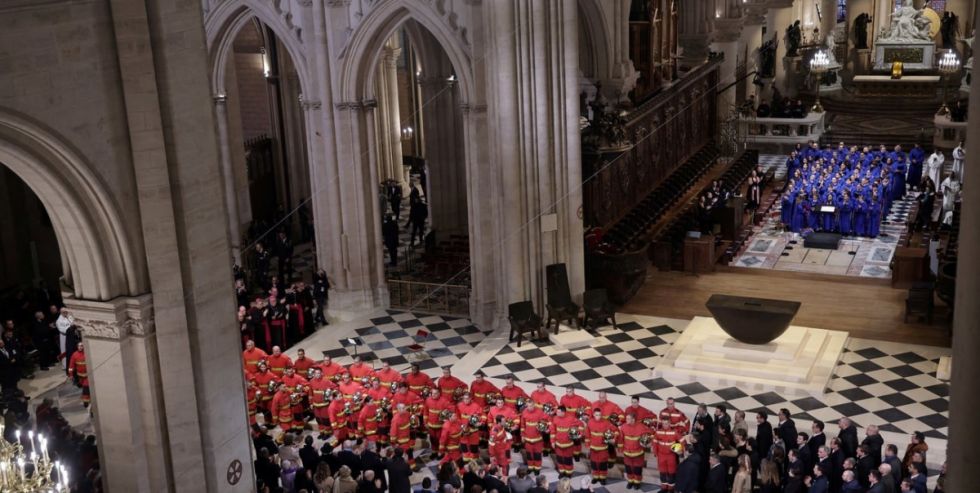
[{"x": 420, "y": 163}]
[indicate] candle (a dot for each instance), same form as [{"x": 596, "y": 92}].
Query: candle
[
  {"x": 3, "y": 473},
  {"x": 20, "y": 464}
]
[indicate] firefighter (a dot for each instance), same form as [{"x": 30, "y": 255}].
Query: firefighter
[
  {"x": 449, "y": 440},
  {"x": 667, "y": 435},
  {"x": 500, "y": 443},
  {"x": 532, "y": 422},
  {"x": 563, "y": 426},
  {"x": 634, "y": 452},
  {"x": 473, "y": 418},
  {"x": 600, "y": 435}
]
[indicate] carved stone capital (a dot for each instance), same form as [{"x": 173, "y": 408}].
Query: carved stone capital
[
  {"x": 114, "y": 319},
  {"x": 467, "y": 108},
  {"x": 310, "y": 105},
  {"x": 349, "y": 105}
]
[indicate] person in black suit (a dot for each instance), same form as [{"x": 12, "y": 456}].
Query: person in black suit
[
  {"x": 370, "y": 459},
  {"x": 369, "y": 483},
  {"x": 492, "y": 481},
  {"x": 717, "y": 478},
  {"x": 837, "y": 458},
  {"x": 309, "y": 455},
  {"x": 803, "y": 451},
  {"x": 794, "y": 481},
  {"x": 688, "y": 473},
  {"x": 763, "y": 435},
  {"x": 347, "y": 457},
  {"x": 9, "y": 372},
  {"x": 540, "y": 485},
  {"x": 786, "y": 429},
  {"x": 399, "y": 473},
  {"x": 818, "y": 484},
  {"x": 894, "y": 463},
  {"x": 865, "y": 464},
  {"x": 266, "y": 469},
  {"x": 848, "y": 437},
  {"x": 817, "y": 438},
  {"x": 874, "y": 442}
]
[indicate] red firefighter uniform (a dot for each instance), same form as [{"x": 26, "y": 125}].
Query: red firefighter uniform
[
  {"x": 598, "y": 448},
  {"x": 417, "y": 381},
  {"x": 339, "y": 413},
  {"x": 470, "y": 442},
  {"x": 511, "y": 418},
  {"x": 78, "y": 369},
  {"x": 252, "y": 399},
  {"x": 379, "y": 394},
  {"x": 642, "y": 414},
  {"x": 433, "y": 408},
  {"x": 387, "y": 376},
  {"x": 348, "y": 389},
  {"x": 565, "y": 446},
  {"x": 675, "y": 418},
  {"x": 634, "y": 454},
  {"x": 368, "y": 422},
  {"x": 359, "y": 370},
  {"x": 303, "y": 364},
  {"x": 282, "y": 409},
  {"x": 666, "y": 458},
  {"x": 319, "y": 390},
  {"x": 448, "y": 384},
  {"x": 577, "y": 406},
  {"x": 263, "y": 378},
  {"x": 295, "y": 383},
  {"x": 609, "y": 409},
  {"x": 251, "y": 358},
  {"x": 499, "y": 446},
  {"x": 511, "y": 393},
  {"x": 278, "y": 364},
  {"x": 449, "y": 446},
  {"x": 410, "y": 399},
  {"x": 479, "y": 390},
  {"x": 401, "y": 431},
  {"x": 532, "y": 437},
  {"x": 332, "y": 371},
  {"x": 541, "y": 396}
]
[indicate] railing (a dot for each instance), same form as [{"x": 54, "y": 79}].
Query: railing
[
  {"x": 451, "y": 299},
  {"x": 782, "y": 130}
]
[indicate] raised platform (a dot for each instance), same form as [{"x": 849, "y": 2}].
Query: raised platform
[
  {"x": 568, "y": 338},
  {"x": 826, "y": 241},
  {"x": 800, "y": 363}
]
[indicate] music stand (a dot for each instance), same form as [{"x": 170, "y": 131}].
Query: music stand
[{"x": 352, "y": 341}]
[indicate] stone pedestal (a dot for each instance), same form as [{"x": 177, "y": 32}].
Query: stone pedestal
[
  {"x": 862, "y": 61},
  {"x": 914, "y": 55},
  {"x": 833, "y": 75},
  {"x": 791, "y": 69},
  {"x": 799, "y": 363}
]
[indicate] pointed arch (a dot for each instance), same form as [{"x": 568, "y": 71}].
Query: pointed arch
[
  {"x": 101, "y": 259},
  {"x": 224, "y": 23},
  {"x": 361, "y": 54}
]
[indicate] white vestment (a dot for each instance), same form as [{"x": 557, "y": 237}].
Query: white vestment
[
  {"x": 63, "y": 324},
  {"x": 959, "y": 156},
  {"x": 933, "y": 165}
]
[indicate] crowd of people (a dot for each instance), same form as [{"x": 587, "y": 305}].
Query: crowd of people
[
  {"x": 378, "y": 415},
  {"x": 850, "y": 190}
]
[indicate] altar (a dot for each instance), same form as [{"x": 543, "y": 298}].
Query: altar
[
  {"x": 798, "y": 363},
  {"x": 910, "y": 86}
]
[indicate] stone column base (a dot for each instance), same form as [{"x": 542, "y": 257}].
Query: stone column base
[{"x": 345, "y": 306}]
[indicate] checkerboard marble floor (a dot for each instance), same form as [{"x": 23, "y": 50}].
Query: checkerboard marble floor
[{"x": 891, "y": 385}]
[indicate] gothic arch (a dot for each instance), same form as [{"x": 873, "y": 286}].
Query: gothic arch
[
  {"x": 99, "y": 258},
  {"x": 223, "y": 25},
  {"x": 365, "y": 44},
  {"x": 592, "y": 23}
]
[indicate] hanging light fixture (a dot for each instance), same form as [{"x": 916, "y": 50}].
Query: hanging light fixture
[
  {"x": 266, "y": 66},
  {"x": 23, "y": 472}
]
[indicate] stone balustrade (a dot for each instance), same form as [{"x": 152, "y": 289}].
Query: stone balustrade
[{"x": 782, "y": 130}]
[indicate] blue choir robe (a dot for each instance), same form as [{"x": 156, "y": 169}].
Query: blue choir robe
[
  {"x": 813, "y": 216},
  {"x": 799, "y": 220},
  {"x": 916, "y": 157},
  {"x": 898, "y": 180},
  {"x": 860, "y": 212},
  {"x": 786, "y": 211},
  {"x": 874, "y": 219},
  {"x": 844, "y": 209}
]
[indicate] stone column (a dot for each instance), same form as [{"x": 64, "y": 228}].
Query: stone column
[
  {"x": 533, "y": 120},
  {"x": 780, "y": 16},
  {"x": 752, "y": 40},
  {"x": 964, "y": 429},
  {"x": 228, "y": 178},
  {"x": 828, "y": 19},
  {"x": 124, "y": 379},
  {"x": 727, "y": 32},
  {"x": 389, "y": 124}
]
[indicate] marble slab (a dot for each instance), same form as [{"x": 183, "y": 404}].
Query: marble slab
[
  {"x": 568, "y": 338},
  {"x": 801, "y": 362}
]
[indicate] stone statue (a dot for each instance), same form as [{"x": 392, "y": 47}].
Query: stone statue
[
  {"x": 767, "y": 58},
  {"x": 949, "y": 27},
  {"x": 908, "y": 25},
  {"x": 861, "y": 31},
  {"x": 794, "y": 36},
  {"x": 831, "y": 47}
]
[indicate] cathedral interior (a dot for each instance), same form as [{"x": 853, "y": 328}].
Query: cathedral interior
[{"x": 753, "y": 204}]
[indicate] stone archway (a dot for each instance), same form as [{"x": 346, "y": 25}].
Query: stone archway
[
  {"x": 355, "y": 118},
  {"x": 103, "y": 260}
]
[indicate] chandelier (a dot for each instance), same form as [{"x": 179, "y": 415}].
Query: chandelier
[
  {"x": 819, "y": 65},
  {"x": 23, "y": 472}
]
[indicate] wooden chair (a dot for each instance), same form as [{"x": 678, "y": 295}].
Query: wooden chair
[
  {"x": 560, "y": 305},
  {"x": 522, "y": 319},
  {"x": 598, "y": 309}
]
